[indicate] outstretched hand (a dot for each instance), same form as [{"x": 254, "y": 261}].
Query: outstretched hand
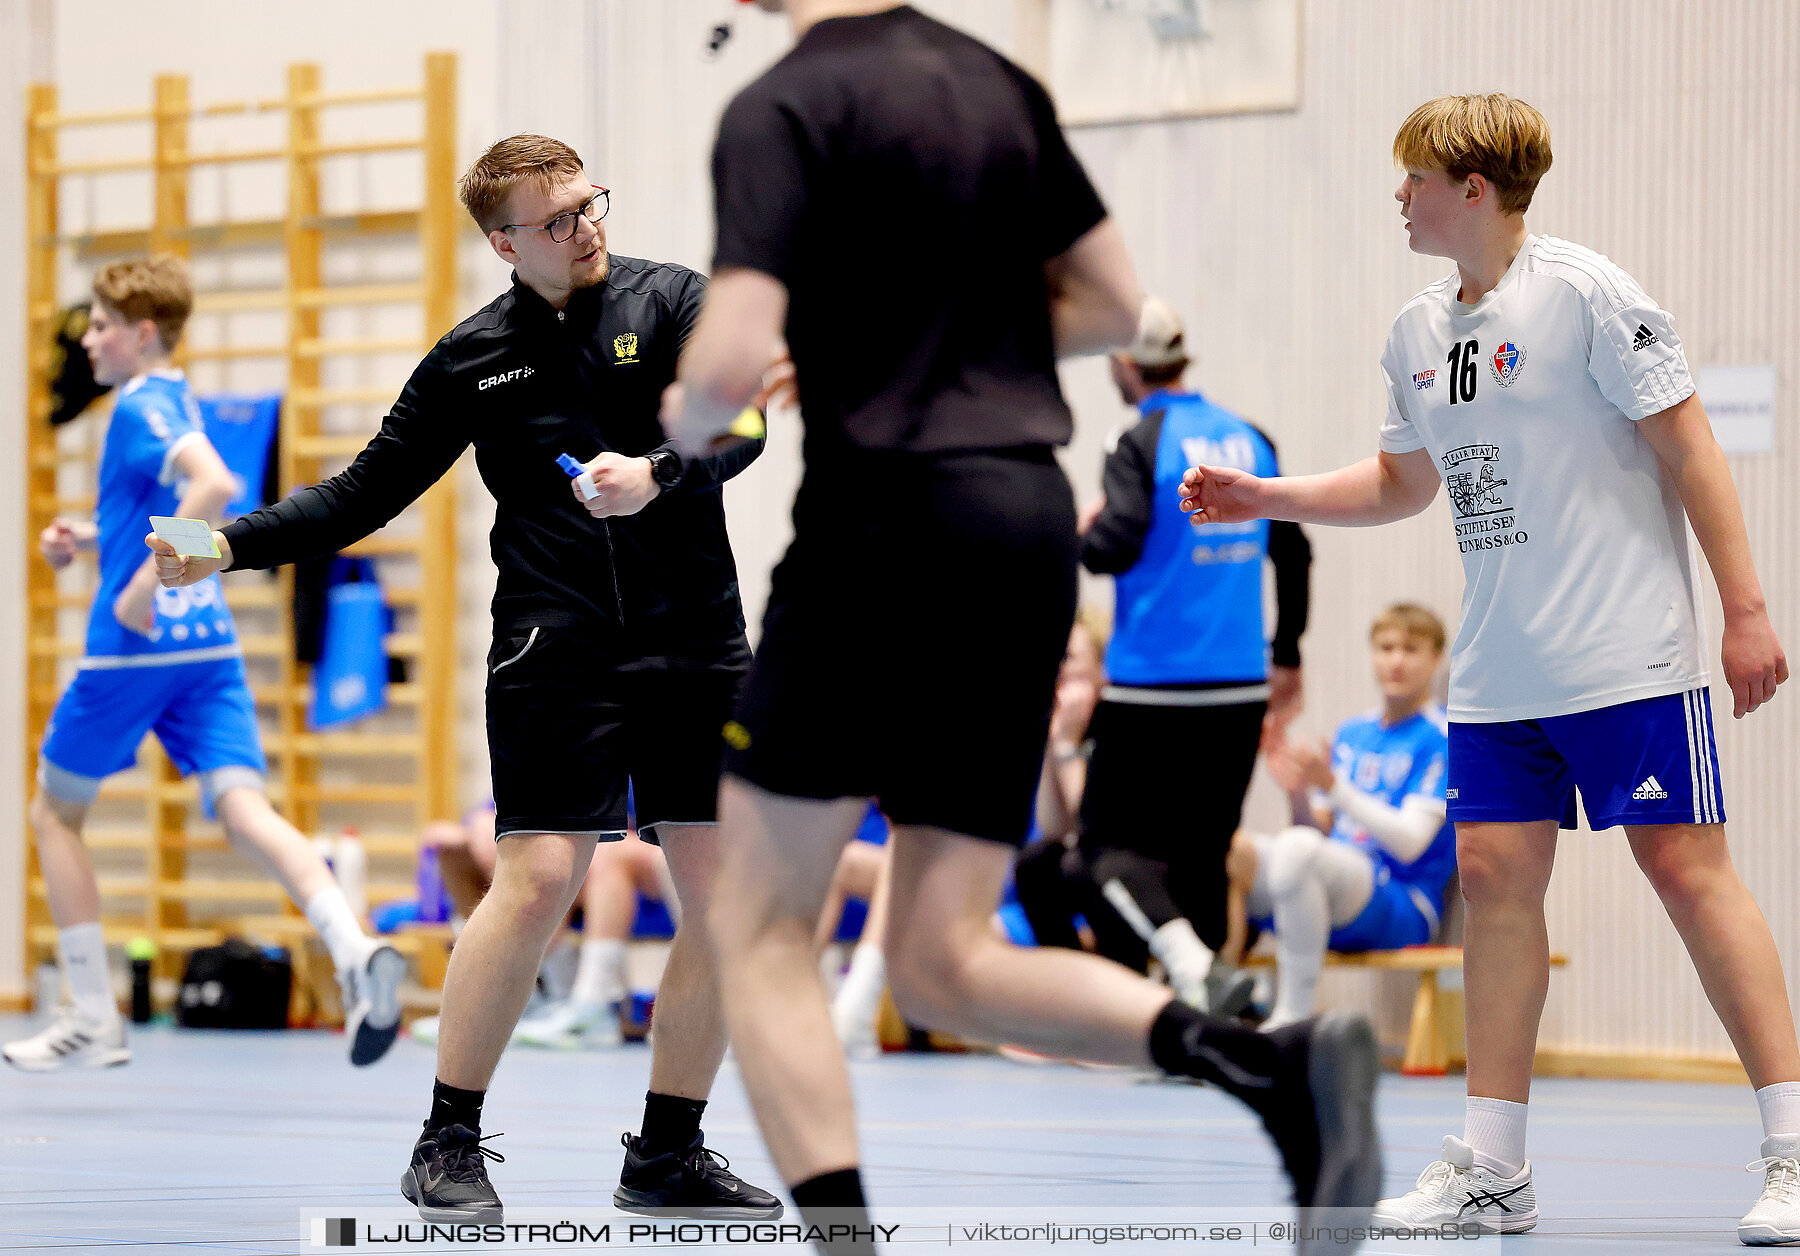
[
  {"x": 1220, "y": 495},
  {"x": 175, "y": 571}
]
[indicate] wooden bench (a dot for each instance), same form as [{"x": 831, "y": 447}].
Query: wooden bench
[{"x": 1433, "y": 1028}]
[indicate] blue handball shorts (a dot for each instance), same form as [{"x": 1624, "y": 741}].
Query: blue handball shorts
[
  {"x": 202, "y": 713},
  {"x": 1396, "y": 915},
  {"x": 1647, "y": 762}
]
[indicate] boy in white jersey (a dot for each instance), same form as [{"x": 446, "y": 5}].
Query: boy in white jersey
[
  {"x": 1551, "y": 397},
  {"x": 168, "y": 661}
]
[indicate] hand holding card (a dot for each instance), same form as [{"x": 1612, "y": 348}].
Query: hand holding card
[
  {"x": 186, "y": 550},
  {"x": 187, "y": 536}
]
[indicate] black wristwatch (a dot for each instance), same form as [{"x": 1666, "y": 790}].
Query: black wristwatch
[{"x": 665, "y": 467}]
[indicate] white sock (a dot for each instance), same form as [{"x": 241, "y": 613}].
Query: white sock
[
  {"x": 1181, "y": 952},
  {"x": 1780, "y": 1107},
  {"x": 859, "y": 997},
  {"x": 82, "y": 951},
  {"x": 599, "y": 972},
  {"x": 1495, "y": 1128},
  {"x": 1302, "y": 929},
  {"x": 329, "y": 913}
]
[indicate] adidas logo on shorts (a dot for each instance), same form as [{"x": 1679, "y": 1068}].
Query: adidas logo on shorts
[{"x": 1651, "y": 789}]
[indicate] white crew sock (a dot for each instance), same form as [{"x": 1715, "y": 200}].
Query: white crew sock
[
  {"x": 82, "y": 951},
  {"x": 599, "y": 973},
  {"x": 1182, "y": 953},
  {"x": 1302, "y": 930},
  {"x": 329, "y": 913},
  {"x": 1780, "y": 1107},
  {"x": 859, "y": 997},
  {"x": 1495, "y": 1128}
]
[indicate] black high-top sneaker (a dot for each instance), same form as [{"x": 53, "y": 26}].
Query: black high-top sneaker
[
  {"x": 692, "y": 1182},
  {"x": 447, "y": 1179}
]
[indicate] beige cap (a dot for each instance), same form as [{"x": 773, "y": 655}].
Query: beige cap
[{"x": 1159, "y": 340}]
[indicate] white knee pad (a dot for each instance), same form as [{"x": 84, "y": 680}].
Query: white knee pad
[{"x": 1289, "y": 858}]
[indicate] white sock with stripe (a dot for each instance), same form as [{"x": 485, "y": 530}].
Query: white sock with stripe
[{"x": 82, "y": 951}]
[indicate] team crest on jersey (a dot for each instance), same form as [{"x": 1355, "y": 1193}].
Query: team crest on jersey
[
  {"x": 625, "y": 348},
  {"x": 1507, "y": 362},
  {"x": 1423, "y": 380}
]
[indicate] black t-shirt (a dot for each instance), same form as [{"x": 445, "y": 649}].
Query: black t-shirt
[{"x": 907, "y": 184}]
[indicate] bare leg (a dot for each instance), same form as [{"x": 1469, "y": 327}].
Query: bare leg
[
  {"x": 254, "y": 827},
  {"x": 1240, "y": 875},
  {"x": 690, "y": 1037},
  {"x": 609, "y": 895},
  {"x": 1506, "y": 950},
  {"x": 950, "y": 971},
  {"x": 495, "y": 961},
  {"x": 69, "y": 882},
  {"x": 1728, "y": 939},
  {"x": 779, "y": 857},
  {"x": 463, "y": 880},
  {"x": 859, "y": 869}
]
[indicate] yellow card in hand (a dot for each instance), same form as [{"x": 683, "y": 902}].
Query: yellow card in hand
[{"x": 192, "y": 537}]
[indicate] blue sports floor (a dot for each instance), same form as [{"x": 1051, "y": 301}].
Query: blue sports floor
[{"x": 228, "y": 1142}]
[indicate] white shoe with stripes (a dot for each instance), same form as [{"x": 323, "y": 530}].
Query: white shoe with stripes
[{"x": 70, "y": 1041}]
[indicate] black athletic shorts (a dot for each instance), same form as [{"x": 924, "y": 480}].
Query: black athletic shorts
[
  {"x": 912, "y": 638},
  {"x": 568, "y": 730}
]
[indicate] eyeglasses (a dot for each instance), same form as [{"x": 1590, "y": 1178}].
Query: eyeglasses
[{"x": 562, "y": 227}]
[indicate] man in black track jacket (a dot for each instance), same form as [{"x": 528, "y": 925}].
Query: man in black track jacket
[{"x": 618, "y": 648}]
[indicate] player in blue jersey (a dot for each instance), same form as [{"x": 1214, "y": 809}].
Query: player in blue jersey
[
  {"x": 1188, "y": 640},
  {"x": 165, "y": 661},
  {"x": 1377, "y": 881}
]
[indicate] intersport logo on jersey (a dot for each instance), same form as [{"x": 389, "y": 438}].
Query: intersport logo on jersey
[{"x": 1423, "y": 380}]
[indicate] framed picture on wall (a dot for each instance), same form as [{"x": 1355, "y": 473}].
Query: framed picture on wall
[{"x": 1117, "y": 61}]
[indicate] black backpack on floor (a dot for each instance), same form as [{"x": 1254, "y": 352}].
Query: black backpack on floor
[{"x": 235, "y": 986}]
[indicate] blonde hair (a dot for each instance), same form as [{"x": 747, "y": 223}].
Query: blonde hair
[
  {"x": 158, "y": 288},
  {"x": 1504, "y": 140},
  {"x": 1412, "y": 620},
  {"x": 534, "y": 159}
]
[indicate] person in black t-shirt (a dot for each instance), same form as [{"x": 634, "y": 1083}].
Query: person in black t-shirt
[
  {"x": 618, "y": 645},
  {"x": 916, "y": 623}
]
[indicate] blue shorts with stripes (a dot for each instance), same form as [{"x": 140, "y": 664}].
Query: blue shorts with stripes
[{"x": 1647, "y": 762}]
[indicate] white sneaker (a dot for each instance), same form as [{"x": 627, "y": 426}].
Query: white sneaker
[
  {"x": 855, "y": 1025},
  {"x": 70, "y": 1041},
  {"x": 572, "y": 1026},
  {"x": 1453, "y": 1190},
  {"x": 1775, "y": 1221},
  {"x": 372, "y": 1003}
]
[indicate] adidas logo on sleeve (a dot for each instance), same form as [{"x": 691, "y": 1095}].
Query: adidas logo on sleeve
[
  {"x": 1649, "y": 791},
  {"x": 1643, "y": 340}
]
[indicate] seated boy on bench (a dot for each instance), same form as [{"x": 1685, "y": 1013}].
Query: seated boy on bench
[{"x": 1366, "y": 862}]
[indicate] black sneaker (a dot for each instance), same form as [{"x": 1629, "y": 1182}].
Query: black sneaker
[
  {"x": 693, "y": 1182},
  {"x": 447, "y": 1179},
  {"x": 1323, "y": 1116}
]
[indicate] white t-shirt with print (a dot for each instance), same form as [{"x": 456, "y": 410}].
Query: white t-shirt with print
[{"x": 1581, "y": 587}]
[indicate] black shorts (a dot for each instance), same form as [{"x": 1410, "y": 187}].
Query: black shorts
[
  {"x": 569, "y": 730},
  {"x": 1168, "y": 783},
  {"x": 912, "y": 638}
]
